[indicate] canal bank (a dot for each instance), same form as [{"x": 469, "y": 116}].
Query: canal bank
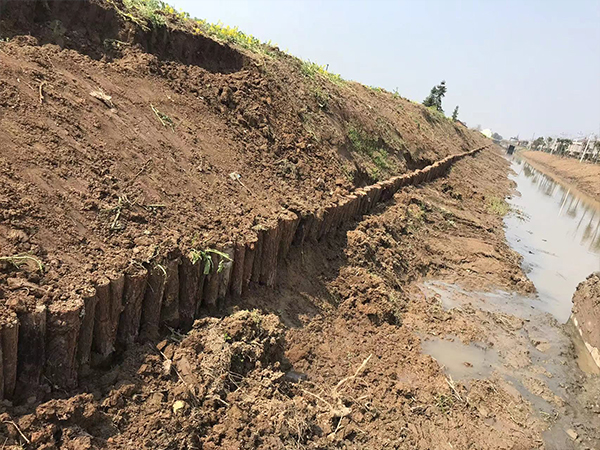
[
  {"x": 524, "y": 343},
  {"x": 578, "y": 176},
  {"x": 556, "y": 229}
]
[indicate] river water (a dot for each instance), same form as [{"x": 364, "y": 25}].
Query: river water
[{"x": 557, "y": 231}]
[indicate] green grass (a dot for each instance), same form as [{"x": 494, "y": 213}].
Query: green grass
[
  {"x": 367, "y": 145},
  {"x": 149, "y": 10},
  {"x": 444, "y": 403},
  {"x": 232, "y": 35},
  {"x": 496, "y": 205},
  {"x": 322, "y": 98},
  {"x": 204, "y": 257},
  {"x": 155, "y": 13}
]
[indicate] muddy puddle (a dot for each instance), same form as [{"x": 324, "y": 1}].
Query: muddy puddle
[
  {"x": 557, "y": 231},
  {"x": 524, "y": 348},
  {"x": 462, "y": 362}
]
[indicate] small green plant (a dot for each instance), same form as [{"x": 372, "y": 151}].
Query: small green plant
[
  {"x": 322, "y": 98},
  {"x": 375, "y": 173},
  {"x": 498, "y": 206},
  {"x": 381, "y": 159},
  {"x": 444, "y": 403},
  {"x": 204, "y": 257},
  {"x": 164, "y": 119},
  {"x": 227, "y": 337},
  {"x": 363, "y": 143},
  {"x": 21, "y": 260},
  {"x": 256, "y": 317}
]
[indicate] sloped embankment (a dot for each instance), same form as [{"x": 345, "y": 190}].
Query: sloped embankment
[{"x": 137, "y": 156}]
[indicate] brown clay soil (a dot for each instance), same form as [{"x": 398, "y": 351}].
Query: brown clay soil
[
  {"x": 584, "y": 176},
  {"x": 91, "y": 186},
  {"x": 330, "y": 358},
  {"x": 586, "y": 312}
]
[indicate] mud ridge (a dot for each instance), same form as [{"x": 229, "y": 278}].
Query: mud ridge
[{"x": 63, "y": 341}]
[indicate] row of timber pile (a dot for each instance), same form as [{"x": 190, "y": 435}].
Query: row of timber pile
[{"x": 63, "y": 340}]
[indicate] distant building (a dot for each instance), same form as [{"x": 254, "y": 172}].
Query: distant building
[{"x": 576, "y": 148}]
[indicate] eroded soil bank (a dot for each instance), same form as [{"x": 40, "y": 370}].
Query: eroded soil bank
[{"x": 333, "y": 357}]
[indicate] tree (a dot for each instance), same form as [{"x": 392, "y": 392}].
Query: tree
[
  {"x": 539, "y": 142},
  {"x": 455, "y": 113},
  {"x": 563, "y": 144},
  {"x": 497, "y": 137},
  {"x": 434, "y": 99}
]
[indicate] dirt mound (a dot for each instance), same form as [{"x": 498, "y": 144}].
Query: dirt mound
[{"x": 586, "y": 314}]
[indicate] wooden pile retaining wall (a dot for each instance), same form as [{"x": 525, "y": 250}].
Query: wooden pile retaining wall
[{"x": 63, "y": 340}]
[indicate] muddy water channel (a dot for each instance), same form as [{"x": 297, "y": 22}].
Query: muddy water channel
[
  {"x": 557, "y": 231},
  {"x": 522, "y": 344}
]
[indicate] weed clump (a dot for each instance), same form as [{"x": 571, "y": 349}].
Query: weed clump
[
  {"x": 362, "y": 142},
  {"x": 232, "y": 35},
  {"x": 204, "y": 257},
  {"x": 498, "y": 206}
]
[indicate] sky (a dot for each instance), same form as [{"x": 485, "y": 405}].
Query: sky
[{"x": 519, "y": 67}]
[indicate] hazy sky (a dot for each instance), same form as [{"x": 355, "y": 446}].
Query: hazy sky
[{"x": 518, "y": 67}]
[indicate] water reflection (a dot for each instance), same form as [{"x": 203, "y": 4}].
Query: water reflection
[{"x": 559, "y": 238}]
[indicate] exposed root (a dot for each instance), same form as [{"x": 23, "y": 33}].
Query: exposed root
[
  {"x": 18, "y": 429},
  {"x": 106, "y": 99}
]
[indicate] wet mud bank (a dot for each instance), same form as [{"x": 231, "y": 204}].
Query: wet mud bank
[
  {"x": 62, "y": 342},
  {"x": 511, "y": 340}
]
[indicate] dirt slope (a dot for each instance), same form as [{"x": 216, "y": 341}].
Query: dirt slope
[{"x": 119, "y": 142}]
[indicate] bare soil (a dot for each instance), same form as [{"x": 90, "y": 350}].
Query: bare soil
[
  {"x": 329, "y": 358},
  {"x": 586, "y": 312},
  {"x": 584, "y": 176},
  {"x": 332, "y": 358},
  {"x": 91, "y": 187}
]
